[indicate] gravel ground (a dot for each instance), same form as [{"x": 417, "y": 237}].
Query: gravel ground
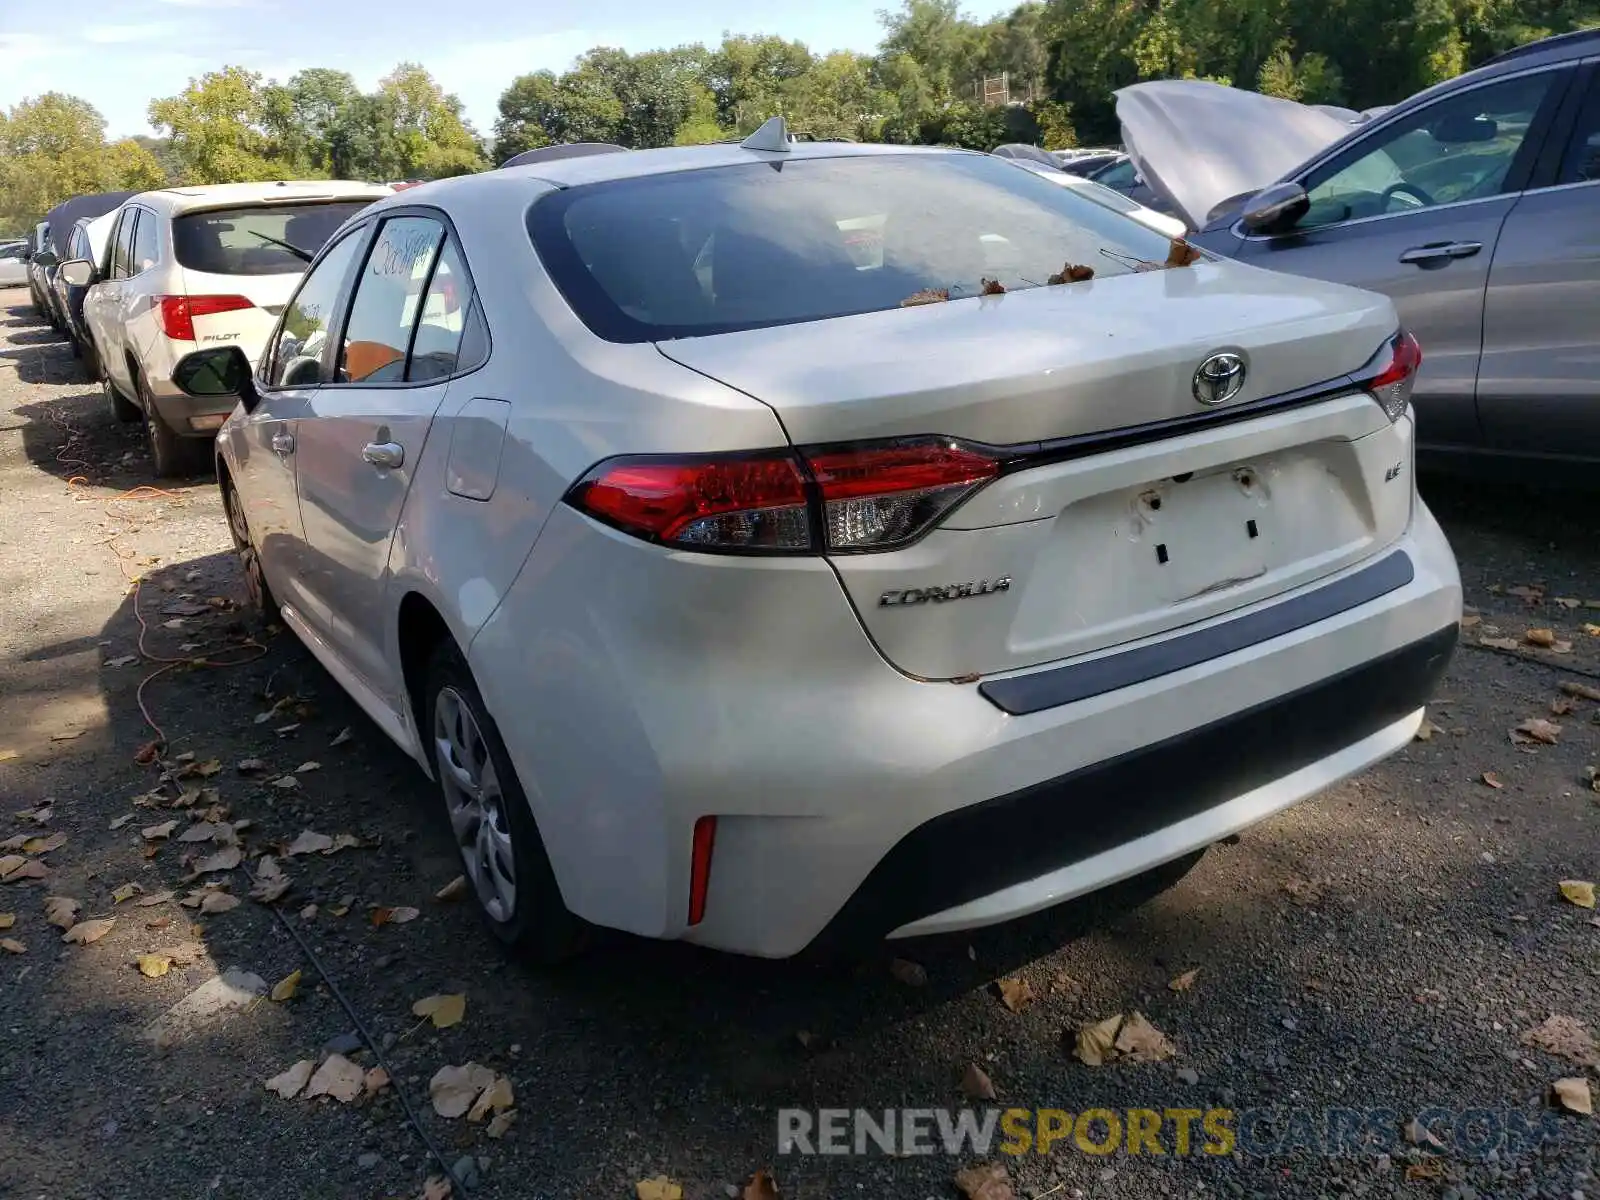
[{"x": 1382, "y": 947}]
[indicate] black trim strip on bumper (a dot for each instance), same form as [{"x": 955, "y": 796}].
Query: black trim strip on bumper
[
  {"x": 967, "y": 853},
  {"x": 1023, "y": 694}
]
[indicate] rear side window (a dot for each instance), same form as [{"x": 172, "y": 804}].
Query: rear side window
[
  {"x": 122, "y": 245},
  {"x": 436, "y": 350},
  {"x": 747, "y": 246},
  {"x": 146, "y": 245},
  {"x": 259, "y": 240}
]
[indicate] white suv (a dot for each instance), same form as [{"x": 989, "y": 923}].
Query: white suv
[{"x": 202, "y": 266}]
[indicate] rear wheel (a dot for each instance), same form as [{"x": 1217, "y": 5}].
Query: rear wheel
[
  {"x": 91, "y": 368},
  {"x": 121, "y": 407},
  {"x": 170, "y": 454},
  {"x": 262, "y": 601},
  {"x": 504, "y": 856}
]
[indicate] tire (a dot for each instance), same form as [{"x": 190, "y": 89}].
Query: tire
[
  {"x": 91, "y": 368},
  {"x": 171, "y": 455},
  {"x": 263, "y": 604},
  {"x": 522, "y": 906},
  {"x": 122, "y": 408}
]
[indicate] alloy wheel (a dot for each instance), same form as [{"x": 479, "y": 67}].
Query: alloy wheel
[{"x": 475, "y": 802}]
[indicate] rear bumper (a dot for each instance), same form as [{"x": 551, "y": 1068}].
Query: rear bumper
[{"x": 185, "y": 415}]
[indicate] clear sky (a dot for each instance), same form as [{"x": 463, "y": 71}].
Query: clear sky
[{"x": 120, "y": 54}]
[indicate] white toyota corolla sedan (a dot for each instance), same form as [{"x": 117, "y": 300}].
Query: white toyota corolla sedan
[{"x": 781, "y": 544}]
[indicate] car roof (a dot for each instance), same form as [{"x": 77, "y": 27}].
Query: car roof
[{"x": 176, "y": 201}]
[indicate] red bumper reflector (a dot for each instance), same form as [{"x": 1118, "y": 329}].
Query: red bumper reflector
[{"x": 705, "y": 838}]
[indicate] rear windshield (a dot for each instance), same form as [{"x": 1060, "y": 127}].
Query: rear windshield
[
  {"x": 741, "y": 247},
  {"x": 249, "y": 241}
]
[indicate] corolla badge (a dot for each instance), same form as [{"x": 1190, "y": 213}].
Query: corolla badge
[{"x": 1219, "y": 378}]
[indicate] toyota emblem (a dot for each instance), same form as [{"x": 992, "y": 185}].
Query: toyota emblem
[{"x": 1219, "y": 378}]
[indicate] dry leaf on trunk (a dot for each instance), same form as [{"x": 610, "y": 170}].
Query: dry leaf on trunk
[
  {"x": 288, "y": 1083},
  {"x": 453, "y": 890},
  {"x": 62, "y": 911},
  {"x": 337, "y": 1077},
  {"x": 659, "y": 1188},
  {"x": 453, "y": 1089},
  {"x": 495, "y": 1098},
  {"x": 986, "y": 1181},
  {"x": 909, "y": 973},
  {"x": 86, "y": 932},
  {"x": 1565, "y": 1038},
  {"x": 1536, "y": 729},
  {"x": 1185, "y": 981},
  {"x": 308, "y": 842},
  {"x": 1015, "y": 993},
  {"x": 1094, "y": 1043},
  {"x": 1578, "y": 891},
  {"x": 444, "y": 1010},
  {"x": 1181, "y": 254},
  {"x": 761, "y": 1186},
  {"x": 976, "y": 1084},
  {"x": 1573, "y": 1095},
  {"x": 389, "y": 916},
  {"x": 286, "y": 987},
  {"x": 12, "y": 946},
  {"x": 1142, "y": 1041},
  {"x": 154, "y": 966}
]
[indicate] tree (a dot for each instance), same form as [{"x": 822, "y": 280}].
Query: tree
[
  {"x": 539, "y": 109},
  {"x": 748, "y": 74},
  {"x": 131, "y": 167},
  {"x": 53, "y": 148},
  {"x": 700, "y": 124},
  {"x": 424, "y": 133},
  {"x": 311, "y": 118},
  {"x": 836, "y": 98},
  {"x": 217, "y": 126}
]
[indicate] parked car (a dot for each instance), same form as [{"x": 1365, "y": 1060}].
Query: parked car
[
  {"x": 1023, "y": 152},
  {"x": 13, "y": 264},
  {"x": 1088, "y": 163},
  {"x": 1089, "y": 189},
  {"x": 1475, "y": 205},
  {"x": 38, "y": 248},
  {"x": 89, "y": 241},
  {"x": 63, "y": 220},
  {"x": 1122, "y": 175},
  {"x": 761, "y": 591},
  {"x": 197, "y": 266}
]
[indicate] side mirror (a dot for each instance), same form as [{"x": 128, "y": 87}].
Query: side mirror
[
  {"x": 78, "y": 272},
  {"x": 45, "y": 258},
  {"x": 1278, "y": 207},
  {"x": 223, "y": 371}
]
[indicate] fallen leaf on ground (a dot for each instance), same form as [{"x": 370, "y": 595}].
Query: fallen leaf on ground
[
  {"x": 1536, "y": 729},
  {"x": 342, "y": 737},
  {"x": 1565, "y": 1038},
  {"x": 156, "y": 833},
  {"x": 389, "y": 916},
  {"x": 126, "y": 892},
  {"x": 659, "y": 1188},
  {"x": 85, "y": 932},
  {"x": 1492, "y": 780},
  {"x": 218, "y": 902},
  {"x": 1578, "y": 891},
  {"x": 909, "y": 973},
  {"x": 495, "y": 1098},
  {"x": 288, "y": 1083},
  {"x": 154, "y": 966},
  {"x": 1540, "y": 637},
  {"x": 67, "y": 735},
  {"x": 246, "y": 765},
  {"x": 976, "y": 1084},
  {"x": 286, "y": 987},
  {"x": 38, "y": 845},
  {"x": 7, "y": 920},
  {"x": 344, "y": 841},
  {"x": 152, "y": 901},
  {"x": 1561, "y": 706},
  {"x": 1581, "y": 690},
  {"x": 445, "y": 1010},
  {"x": 1185, "y": 981},
  {"x": 502, "y": 1123},
  {"x": 1530, "y": 594},
  {"x": 1469, "y": 620},
  {"x": 225, "y": 859},
  {"x": 1418, "y": 1134},
  {"x": 12, "y": 946},
  {"x": 61, "y": 911},
  {"x": 270, "y": 889},
  {"x": 14, "y": 868},
  {"x": 1573, "y": 1095},
  {"x": 1426, "y": 730},
  {"x": 1419, "y": 1172},
  {"x": 14, "y": 843},
  {"x": 308, "y": 843},
  {"x": 453, "y": 1089},
  {"x": 1094, "y": 1043},
  {"x": 342, "y": 908},
  {"x": 337, "y": 1077},
  {"x": 8, "y": 755},
  {"x": 1142, "y": 1041},
  {"x": 761, "y": 1186},
  {"x": 986, "y": 1181},
  {"x": 453, "y": 890},
  {"x": 284, "y": 783},
  {"x": 307, "y": 766},
  {"x": 376, "y": 1080},
  {"x": 1591, "y": 630},
  {"x": 1499, "y": 643},
  {"x": 200, "y": 831},
  {"x": 436, "y": 1188},
  {"x": 42, "y": 815},
  {"x": 119, "y": 822},
  {"x": 1015, "y": 993}
]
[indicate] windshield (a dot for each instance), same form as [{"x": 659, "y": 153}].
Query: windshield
[
  {"x": 250, "y": 241},
  {"x": 729, "y": 248}
]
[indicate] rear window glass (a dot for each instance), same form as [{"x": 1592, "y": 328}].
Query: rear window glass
[
  {"x": 742, "y": 247},
  {"x": 250, "y": 241}
]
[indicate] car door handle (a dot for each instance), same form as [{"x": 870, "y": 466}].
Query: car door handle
[
  {"x": 1435, "y": 251},
  {"x": 384, "y": 454},
  {"x": 283, "y": 443}
]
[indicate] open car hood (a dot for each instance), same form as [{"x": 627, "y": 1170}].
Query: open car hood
[{"x": 1197, "y": 144}]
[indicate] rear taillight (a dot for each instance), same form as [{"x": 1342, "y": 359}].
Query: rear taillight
[
  {"x": 177, "y": 313},
  {"x": 1396, "y": 365},
  {"x": 869, "y": 496}
]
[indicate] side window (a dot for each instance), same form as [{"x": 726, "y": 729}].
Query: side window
[
  {"x": 146, "y": 244},
  {"x": 298, "y": 348},
  {"x": 1582, "y": 162},
  {"x": 435, "y": 351},
  {"x": 388, "y": 297},
  {"x": 122, "y": 243},
  {"x": 1460, "y": 147}
]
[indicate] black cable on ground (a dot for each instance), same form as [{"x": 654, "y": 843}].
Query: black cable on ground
[{"x": 1528, "y": 658}]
